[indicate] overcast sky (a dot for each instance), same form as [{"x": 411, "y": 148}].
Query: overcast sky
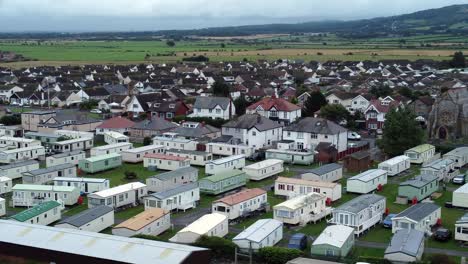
[{"x": 137, "y": 15}]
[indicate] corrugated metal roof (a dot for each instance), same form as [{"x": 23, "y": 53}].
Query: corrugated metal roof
[
  {"x": 360, "y": 203},
  {"x": 407, "y": 241},
  {"x": 418, "y": 212},
  {"x": 35, "y": 211},
  {"x": 326, "y": 169},
  {"x": 368, "y": 175},
  {"x": 420, "y": 181},
  {"x": 87, "y": 216},
  {"x": 259, "y": 230}
]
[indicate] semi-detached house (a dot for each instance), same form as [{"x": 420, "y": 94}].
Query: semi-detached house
[
  {"x": 213, "y": 107},
  {"x": 276, "y": 109}
]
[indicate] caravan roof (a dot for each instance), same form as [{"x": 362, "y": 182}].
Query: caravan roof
[
  {"x": 368, "y": 175},
  {"x": 119, "y": 189},
  {"x": 205, "y": 223},
  {"x": 259, "y": 230}
]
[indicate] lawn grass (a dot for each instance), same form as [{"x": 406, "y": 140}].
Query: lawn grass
[
  {"x": 117, "y": 175},
  {"x": 75, "y": 209},
  {"x": 130, "y": 212}
]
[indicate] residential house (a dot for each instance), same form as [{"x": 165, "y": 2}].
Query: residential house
[
  {"x": 31, "y": 120},
  {"x": 150, "y": 128},
  {"x": 116, "y": 124},
  {"x": 376, "y": 111},
  {"x": 276, "y": 109},
  {"x": 168, "y": 109},
  {"x": 213, "y": 107}
]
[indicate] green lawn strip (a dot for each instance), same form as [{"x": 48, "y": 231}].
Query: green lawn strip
[
  {"x": 117, "y": 175},
  {"x": 75, "y": 209},
  {"x": 129, "y": 213}
]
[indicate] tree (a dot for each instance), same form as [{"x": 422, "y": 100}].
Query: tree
[
  {"x": 294, "y": 100},
  {"x": 170, "y": 43},
  {"x": 407, "y": 92},
  {"x": 223, "y": 45},
  {"x": 334, "y": 112},
  {"x": 220, "y": 89},
  {"x": 278, "y": 255},
  {"x": 313, "y": 103},
  {"x": 147, "y": 141},
  {"x": 381, "y": 91},
  {"x": 10, "y": 120},
  {"x": 458, "y": 60},
  {"x": 220, "y": 247},
  {"x": 241, "y": 104},
  {"x": 401, "y": 132}
]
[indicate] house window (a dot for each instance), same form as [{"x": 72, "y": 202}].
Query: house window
[
  {"x": 300, "y": 135},
  {"x": 313, "y": 136},
  {"x": 254, "y": 133},
  {"x": 218, "y": 111},
  {"x": 273, "y": 113}
]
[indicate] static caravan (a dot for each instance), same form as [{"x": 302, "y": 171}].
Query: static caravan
[
  {"x": 22, "y": 154},
  {"x": 42, "y": 214},
  {"x": 459, "y": 155},
  {"x": 2, "y": 207},
  {"x": 264, "y": 169},
  {"x": 172, "y": 141},
  {"x": 223, "y": 182},
  {"x": 302, "y": 209},
  {"x": 112, "y": 137},
  {"x": 171, "y": 179},
  {"x": 361, "y": 213},
  {"x": 421, "y": 217},
  {"x": 460, "y": 197},
  {"x": 93, "y": 219},
  {"x": 197, "y": 158},
  {"x": 135, "y": 155},
  {"x": 46, "y": 175},
  {"x": 291, "y": 156},
  {"x": 420, "y": 187},
  {"x": 15, "y": 170},
  {"x": 291, "y": 187},
  {"x": 86, "y": 185},
  {"x": 130, "y": 194},
  {"x": 208, "y": 225},
  {"x": 225, "y": 164},
  {"x": 152, "y": 222},
  {"x": 421, "y": 153},
  {"x": 19, "y": 142},
  {"x": 331, "y": 172},
  {"x": 165, "y": 162},
  {"x": 72, "y": 157},
  {"x": 395, "y": 165},
  {"x": 241, "y": 204},
  {"x": 367, "y": 181},
  {"x": 5, "y": 185},
  {"x": 45, "y": 138},
  {"x": 182, "y": 197},
  {"x": 461, "y": 228},
  {"x": 117, "y": 148},
  {"x": 334, "y": 241},
  {"x": 406, "y": 246},
  {"x": 74, "y": 134},
  {"x": 263, "y": 233},
  {"x": 72, "y": 145},
  {"x": 32, "y": 194},
  {"x": 100, "y": 163},
  {"x": 224, "y": 149},
  {"x": 444, "y": 169}
]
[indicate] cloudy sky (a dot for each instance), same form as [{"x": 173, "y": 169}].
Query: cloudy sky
[{"x": 138, "y": 15}]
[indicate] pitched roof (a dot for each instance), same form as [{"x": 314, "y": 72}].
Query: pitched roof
[
  {"x": 35, "y": 211},
  {"x": 156, "y": 123},
  {"x": 241, "y": 196},
  {"x": 407, "y": 241},
  {"x": 325, "y": 168},
  {"x": 418, "y": 211},
  {"x": 142, "y": 219},
  {"x": 87, "y": 216},
  {"x": 259, "y": 230},
  {"x": 249, "y": 121},
  {"x": 117, "y": 122},
  {"x": 360, "y": 203},
  {"x": 211, "y": 102},
  {"x": 279, "y": 104},
  {"x": 316, "y": 126},
  {"x": 174, "y": 191},
  {"x": 164, "y": 157}
]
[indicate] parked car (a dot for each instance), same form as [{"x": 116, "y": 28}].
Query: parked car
[
  {"x": 459, "y": 179},
  {"x": 257, "y": 156},
  {"x": 387, "y": 222},
  {"x": 354, "y": 136},
  {"x": 298, "y": 241},
  {"x": 442, "y": 234},
  {"x": 96, "y": 111}
]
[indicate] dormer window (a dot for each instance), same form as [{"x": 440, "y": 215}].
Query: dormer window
[
  {"x": 172, "y": 106},
  {"x": 157, "y": 105}
]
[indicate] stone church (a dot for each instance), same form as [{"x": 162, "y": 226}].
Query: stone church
[{"x": 448, "y": 118}]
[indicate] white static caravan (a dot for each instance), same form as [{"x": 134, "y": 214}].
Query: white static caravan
[
  {"x": 182, "y": 197},
  {"x": 2, "y": 207},
  {"x": 225, "y": 164},
  {"x": 72, "y": 157},
  {"x": 6, "y": 184},
  {"x": 263, "y": 169},
  {"x": 150, "y": 222},
  {"x": 241, "y": 203},
  {"x": 197, "y": 158},
  {"x": 73, "y": 144},
  {"x": 109, "y": 149},
  {"x": 263, "y": 233},
  {"x": 15, "y": 170},
  {"x": 302, "y": 209},
  {"x": 42, "y": 214},
  {"x": 421, "y": 153},
  {"x": 461, "y": 228},
  {"x": 327, "y": 173},
  {"x": 224, "y": 149},
  {"x": 22, "y": 154},
  {"x": 444, "y": 169},
  {"x": 86, "y": 185},
  {"x": 460, "y": 197},
  {"x": 93, "y": 219},
  {"x": 46, "y": 175},
  {"x": 291, "y": 187},
  {"x": 459, "y": 155},
  {"x": 130, "y": 194},
  {"x": 367, "y": 181},
  {"x": 171, "y": 141},
  {"x": 165, "y": 162},
  {"x": 18, "y": 142},
  {"x": 171, "y": 179},
  {"x": 135, "y": 155},
  {"x": 112, "y": 137},
  {"x": 395, "y": 165},
  {"x": 74, "y": 134},
  {"x": 208, "y": 225},
  {"x": 32, "y": 194}
]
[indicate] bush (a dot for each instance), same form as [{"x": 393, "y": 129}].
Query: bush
[
  {"x": 149, "y": 237},
  {"x": 147, "y": 141},
  {"x": 88, "y": 105},
  {"x": 220, "y": 247},
  {"x": 278, "y": 255},
  {"x": 10, "y": 120},
  {"x": 199, "y": 58},
  {"x": 130, "y": 175}
]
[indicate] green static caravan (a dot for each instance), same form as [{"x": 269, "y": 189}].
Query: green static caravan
[
  {"x": 223, "y": 182},
  {"x": 421, "y": 187},
  {"x": 42, "y": 214},
  {"x": 291, "y": 156},
  {"x": 334, "y": 241},
  {"x": 100, "y": 163}
]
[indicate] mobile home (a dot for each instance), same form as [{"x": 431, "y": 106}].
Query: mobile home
[
  {"x": 165, "y": 162},
  {"x": 117, "y": 148},
  {"x": 241, "y": 203},
  {"x": 100, "y": 163},
  {"x": 460, "y": 197},
  {"x": 421, "y": 153},
  {"x": 459, "y": 155},
  {"x": 74, "y": 133},
  {"x": 72, "y": 157},
  {"x": 291, "y": 156},
  {"x": 45, "y": 138},
  {"x": 224, "y": 149},
  {"x": 182, "y": 197},
  {"x": 19, "y": 142},
  {"x": 15, "y": 170},
  {"x": 172, "y": 141},
  {"x": 225, "y": 164},
  {"x": 22, "y": 154},
  {"x": 334, "y": 241},
  {"x": 406, "y": 246},
  {"x": 262, "y": 233},
  {"x": 444, "y": 169},
  {"x": 461, "y": 228},
  {"x": 421, "y": 216},
  {"x": 46, "y": 175},
  {"x": 5, "y": 185},
  {"x": 420, "y": 187},
  {"x": 264, "y": 169},
  {"x": 93, "y": 219},
  {"x": 395, "y": 165},
  {"x": 208, "y": 225},
  {"x": 42, "y": 214},
  {"x": 302, "y": 209},
  {"x": 171, "y": 179},
  {"x": 112, "y": 137},
  {"x": 152, "y": 222},
  {"x": 2, "y": 207},
  {"x": 130, "y": 194},
  {"x": 367, "y": 181},
  {"x": 32, "y": 194},
  {"x": 135, "y": 155},
  {"x": 223, "y": 182},
  {"x": 291, "y": 187},
  {"x": 198, "y": 158},
  {"x": 71, "y": 145},
  {"x": 331, "y": 172},
  {"x": 86, "y": 185}
]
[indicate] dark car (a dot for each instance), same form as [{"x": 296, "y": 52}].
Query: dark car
[
  {"x": 298, "y": 241},
  {"x": 257, "y": 156},
  {"x": 387, "y": 222},
  {"x": 442, "y": 234}
]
